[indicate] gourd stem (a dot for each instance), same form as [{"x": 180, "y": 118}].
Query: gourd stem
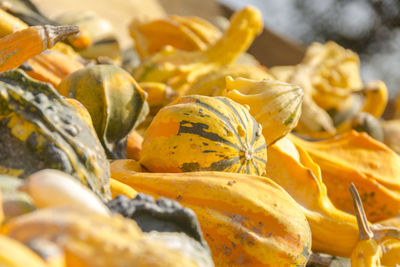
[
  {"x": 365, "y": 230},
  {"x": 55, "y": 34}
]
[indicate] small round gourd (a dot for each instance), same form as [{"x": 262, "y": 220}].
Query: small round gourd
[
  {"x": 201, "y": 133},
  {"x": 115, "y": 101}
]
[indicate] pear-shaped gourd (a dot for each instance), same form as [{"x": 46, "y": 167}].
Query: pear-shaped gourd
[
  {"x": 114, "y": 100},
  {"x": 275, "y": 105}
]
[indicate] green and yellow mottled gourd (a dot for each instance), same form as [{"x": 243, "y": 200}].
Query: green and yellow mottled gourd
[
  {"x": 116, "y": 103},
  {"x": 275, "y": 105},
  {"x": 201, "y": 133},
  {"x": 246, "y": 220},
  {"x": 39, "y": 130}
]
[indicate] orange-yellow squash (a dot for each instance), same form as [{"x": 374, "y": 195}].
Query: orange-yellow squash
[
  {"x": 246, "y": 220},
  {"x": 370, "y": 165},
  {"x": 15, "y": 254},
  {"x": 134, "y": 145},
  {"x": 52, "y": 67},
  {"x": 293, "y": 169},
  {"x": 184, "y": 33},
  {"x": 18, "y": 47},
  {"x": 201, "y": 133},
  {"x": 91, "y": 239},
  {"x": 117, "y": 188}
]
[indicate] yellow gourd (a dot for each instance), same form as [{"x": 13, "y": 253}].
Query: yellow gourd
[
  {"x": 117, "y": 188},
  {"x": 369, "y": 164},
  {"x": 90, "y": 239},
  {"x": 15, "y": 254},
  {"x": 275, "y": 105},
  {"x": 246, "y": 220},
  {"x": 179, "y": 69}
]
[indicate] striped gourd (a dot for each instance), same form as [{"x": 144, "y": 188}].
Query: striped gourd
[{"x": 201, "y": 133}]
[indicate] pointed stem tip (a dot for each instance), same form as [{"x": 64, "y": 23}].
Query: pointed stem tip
[{"x": 55, "y": 34}]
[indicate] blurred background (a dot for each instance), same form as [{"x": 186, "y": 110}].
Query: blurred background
[{"x": 368, "y": 27}]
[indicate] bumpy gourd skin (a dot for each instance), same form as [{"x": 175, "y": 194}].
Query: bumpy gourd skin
[
  {"x": 200, "y": 133},
  {"x": 247, "y": 220},
  {"x": 114, "y": 100},
  {"x": 40, "y": 130}
]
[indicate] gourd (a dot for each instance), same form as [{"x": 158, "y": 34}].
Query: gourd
[
  {"x": 328, "y": 74},
  {"x": 131, "y": 164},
  {"x": 15, "y": 254},
  {"x": 51, "y": 253},
  {"x": 40, "y": 130},
  {"x": 1, "y": 209},
  {"x": 77, "y": 232},
  {"x": 10, "y": 24},
  {"x": 391, "y": 134},
  {"x": 14, "y": 202},
  {"x": 166, "y": 220},
  {"x": 246, "y": 220},
  {"x": 367, "y": 251},
  {"x": 49, "y": 188},
  {"x": 275, "y": 105},
  {"x": 201, "y": 133},
  {"x": 134, "y": 145},
  {"x": 179, "y": 69},
  {"x": 369, "y": 164},
  {"x": 116, "y": 103},
  {"x": 376, "y": 98},
  {"x": 98, "y": 30},
  {"x": 52, "y": 66},
  {"x": 183, "y": 33},
  {"x": 213, "y": 83},
  {"x": 158, "y": 94},
  {"x": 18, "y": 47},
  {"x": 117, "y": 188},
  {"x": 300, "y": 176},
  {"x": 390, "y": 253}
]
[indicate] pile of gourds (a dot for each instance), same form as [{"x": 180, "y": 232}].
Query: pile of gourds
[{"x": 187, "y": 154}]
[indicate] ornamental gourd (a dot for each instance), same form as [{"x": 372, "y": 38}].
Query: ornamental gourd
[
  {"x": 91, "y": 239},
  {"x": 358, "y": 158},
  {"x": 274, "y": 104},
  {"x": 114, "y": 100},
  {"x": 201, "y": 133},
  {"x": 247, "y": 220},
  {"x": 39, "y": 130},
  {"x": 18, "y": 47}
]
